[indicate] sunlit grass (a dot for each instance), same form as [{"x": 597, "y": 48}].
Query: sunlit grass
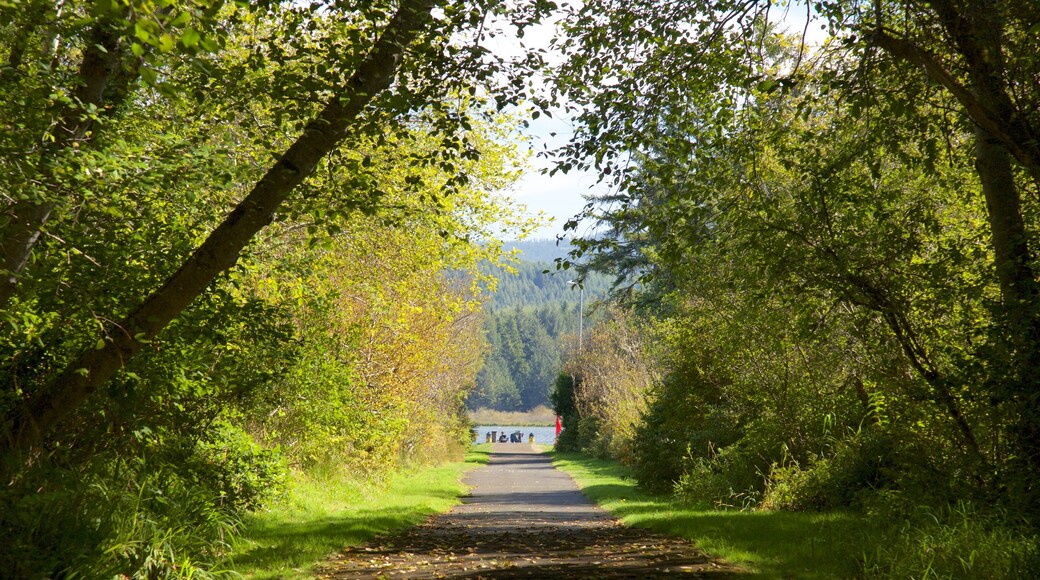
[
  {"x": 768, "y": 544},
  {"x": 293, "y": 538},
  {"x": 539, "y": 416},
  {"x": 479, "y": 454}
]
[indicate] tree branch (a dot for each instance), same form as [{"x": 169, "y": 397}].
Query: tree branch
[
  {"x": 100, "y": 61},
  {"x": 1012, "y": 133},
  {"x": 82, "y": 377}
]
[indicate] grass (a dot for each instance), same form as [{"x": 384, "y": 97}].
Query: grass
[
  {"x": 766, "y": 544},
  {"x": 479, "y": 454},
  {"x": 323, "y": 516},
  {"x": 540, "y": 416}
]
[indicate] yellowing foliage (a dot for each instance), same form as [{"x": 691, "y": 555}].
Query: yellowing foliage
[{"x": 387, "y": 311}]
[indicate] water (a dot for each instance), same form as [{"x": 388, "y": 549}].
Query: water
[{"x": 542, "y": 435}]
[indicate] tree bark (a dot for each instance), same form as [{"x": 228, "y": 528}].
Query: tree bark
[
  {"x": 1001, "y": 133},
  {"x": 980, "y": 39},
  {"x": 1012, "y": 130},
  {"x": 221, "y": 250}
]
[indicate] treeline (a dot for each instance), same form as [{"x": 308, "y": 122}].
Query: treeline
[
  {"x": 529, "y": 320},
  {"x": 167, "y": 362},
  {"x": 838, "y": 254},
  {"x": 526, "y": 349},
  {"x": 540, "y": 250},
  {"x": 533, "y": 283}
]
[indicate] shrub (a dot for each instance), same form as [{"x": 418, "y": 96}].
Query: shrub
[
  {"x": 729, "y": 478},
  {"x": 243, "y": 474},
  {"x": 171, "y": 529},
  {"x": 562, "y": 399},
  {"x": 857, "y": 468},
  {"x": 683, "y": 422},
  {"x": 129, "y": 519},
  {"x": 742, "y": 475}
]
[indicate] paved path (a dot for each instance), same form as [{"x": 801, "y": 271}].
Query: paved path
[{"x": 524, "y": 519}]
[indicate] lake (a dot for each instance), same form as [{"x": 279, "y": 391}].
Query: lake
[{"x": 542, "y": 435}]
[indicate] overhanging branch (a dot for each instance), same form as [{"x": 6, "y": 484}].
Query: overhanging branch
[
  {"x": 1012, "y": 133},
  {"x": 84, "y": 375}
]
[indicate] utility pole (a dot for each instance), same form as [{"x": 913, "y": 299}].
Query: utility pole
[{"x": 581, "y": 310}]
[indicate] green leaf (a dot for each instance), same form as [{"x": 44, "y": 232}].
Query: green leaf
[
  {"x": 209, "y": 44},
  {"x": 166, "y": 43},
  {"x": 182, "y": 19},
  {"x": 767, "y": 86},
  {"x": 190, "y": 38},
  {"x": 142, "y": 33}
]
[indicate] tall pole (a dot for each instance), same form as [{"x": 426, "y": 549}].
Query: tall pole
[
  {"x": 581, "y": 314},
  {"x": 581, "y": 309},
  {"x": 581, "y": 329}
]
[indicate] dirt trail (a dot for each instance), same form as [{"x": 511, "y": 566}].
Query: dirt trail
[{"x": 524, "y": 519}]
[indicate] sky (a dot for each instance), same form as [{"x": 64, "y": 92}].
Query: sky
[
  {"x": 560, "y": 197},
  {"x": 563, "y": 196}
]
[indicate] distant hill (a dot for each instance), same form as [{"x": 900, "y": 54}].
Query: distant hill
[
  {"x": 526, "y": 321},
  {"x": 542, "y": 250},
  {"x": 532, "y": 286}
]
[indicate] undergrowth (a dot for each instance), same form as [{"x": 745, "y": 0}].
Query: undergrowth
[{"x": 885, "y": 540}]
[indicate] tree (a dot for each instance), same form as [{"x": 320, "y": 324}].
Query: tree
[
  {"x": 612, "y": 374},
  {"x": 694, "y": 135},
  {"x": 542, "y": 361},
  {"x": 410, "y": 50},
  {"x": 220, "y": 251},
  {"x": 978, "y": 52},
  {"x": 299, "y": 352}
]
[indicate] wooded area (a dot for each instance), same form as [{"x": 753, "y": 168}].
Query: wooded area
[
  {"x": 226, "y": 233},
  {"x": 531, "y": 322},
  {"x": 838, "y": 250},
  {"x": 242, "y": 240}
]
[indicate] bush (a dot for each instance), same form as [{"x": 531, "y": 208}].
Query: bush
[
  {"x": 680, "y": 426},
  {"x": 727, "y": 479},
  {"x": 171, "y": 529},
  {"x": 243, "y": 474},
  {"x": 165, "y": 507},
  {"x": 129, "y": 519},
  {"x": 562, "y": 399},
  {"x": 578, "y": 435},
  {"x": 857, "y": 468}
]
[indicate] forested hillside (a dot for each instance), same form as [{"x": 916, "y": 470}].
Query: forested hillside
[
  {"x": 533, "y": 283},
  {"x": 528, "y": 322},
  {"x": 540, "y": 250}
]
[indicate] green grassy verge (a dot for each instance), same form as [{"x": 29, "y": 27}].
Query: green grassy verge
[
  {"x": 768, "y": 544},
  {"x": 479, "y": 453},
  {"x": 322, "y": 516}
]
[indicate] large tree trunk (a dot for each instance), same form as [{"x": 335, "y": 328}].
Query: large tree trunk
[
  {"x": 221, "y": 250},
  {"x": 1002, "y": 134},
  {"x": 1012, "y": 259},
  {"x": 979, "y": 37}
]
